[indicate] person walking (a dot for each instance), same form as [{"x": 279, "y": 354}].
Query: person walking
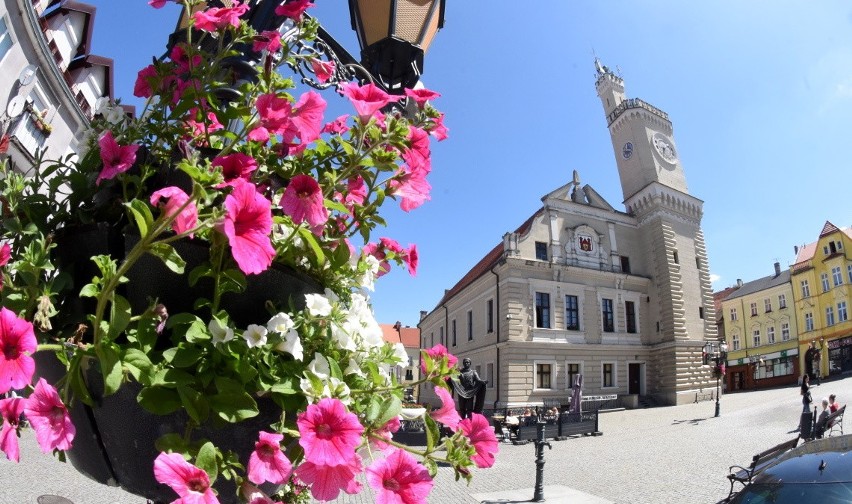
[{"x": 806, "y": 399}]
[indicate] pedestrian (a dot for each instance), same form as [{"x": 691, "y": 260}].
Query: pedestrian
[
  {"x": 822, "y": 421},
  {"x": 806, "y": 397},
  {"x": 832, "y": 403}
]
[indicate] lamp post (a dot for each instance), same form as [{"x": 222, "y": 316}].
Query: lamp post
[{"x": 719, "y": 358}]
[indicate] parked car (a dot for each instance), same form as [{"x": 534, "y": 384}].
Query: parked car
[{"x": 818, "y": 471}]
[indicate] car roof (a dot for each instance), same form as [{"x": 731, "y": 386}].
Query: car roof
[{"x": 827, "y": 460}]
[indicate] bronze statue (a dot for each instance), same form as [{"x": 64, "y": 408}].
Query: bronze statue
[{"x": 470, "y": 389}]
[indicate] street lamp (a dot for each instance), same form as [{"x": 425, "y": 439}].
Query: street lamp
[{"x": 719, "y": 357}]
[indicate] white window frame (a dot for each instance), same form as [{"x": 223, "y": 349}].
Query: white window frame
[
  {"x": 755, "y": 336},
  {"x": 567, "y": 379},
  {"x": 735, "y": 341},
  {"x": 770, "y": 335},
  {"x": 573, "y": 290},
  {"x": 842, "y": 312},
  {"x": 806, "y": 289},
  {"x": 733, "y": 314},
  {"x": 614, "y": 374},
  {"x": 837, "y": 276},
  {"x": 849, "y": 272},
  {"x": 753, "y": 307},
  {"x": 823, "y": 278},
  {"x": 785, "y": 331},
  {"x": 809, "y": 322},
  {"x": 767, "y": 305},
  {"x": 782, "y": 301},
  {"x": 829, "y": 316},
  {"x": 553, "y": 375}
]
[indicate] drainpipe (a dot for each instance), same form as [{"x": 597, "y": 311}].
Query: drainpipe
[{"x": 497, "y": 323}]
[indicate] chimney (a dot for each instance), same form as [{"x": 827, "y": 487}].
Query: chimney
[
  {"x": 777, "y": 268},
  {"x": 397, "y": 326},
  {"x": 423, "y": 314},
  {"x": 796, "y": 249},
  {"x": 739, "y": 282}
]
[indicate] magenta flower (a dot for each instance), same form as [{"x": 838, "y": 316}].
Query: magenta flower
[
  {"x": 367, "y": 99},
  {"x": 236, "y": 166},
  {"x": 356, "y": 190},
  {"x": 411, "y": 258},
  {"x": 219, "y": 18},
  {"x": 11, "y": 410},
  {"x": 179, "y": 56},
  {"x": 267, "y": 461},
  {"x": 303, "y": 201},
  {"x": 322, "y": 69},
  {"x": 438, "y": 130},
  {"x": 143, "y": 88},
  {"x": 411, "y": 186},
  {"x": 115, "y": 158},
  {"x": 327, "y": 481},
  {"x": 337, "y": 126},
  {"x": 269, "y": 40},
  {"x": 421, "y": 96},
  {"x": 294, "y": 9},
  {"x": 447, "y": 413},
  {"x": 378, "y": 252},
  {"x": 187, "y": 219},
  {"x": 306, "y": 118},
  {"x": 438, "y": 352},
  {"x": 330, "y": 434},
  {"x": 202, "y": 128},
  {"x": 418, "y": 155},
  {"x": 481, "y": 436},
  {"x": 248, "y": 223},
  {"x": 399, "y": 479},
  {"x": 17, "y": 342},
  {"x": 189, "y": 482},
  {"x": 386, "y": 431},
  {"x": 5, "y": 254},
  {"x": 274, "y": 113},
  {"x": 49, "y": 418},
  {"x": 157, "y": 4}
]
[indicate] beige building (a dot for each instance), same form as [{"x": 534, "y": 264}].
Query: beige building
[
  {"x": 50, "y": 82},
  {"x": 762, "y": 333},
  {"x": 620, "y": 297}
]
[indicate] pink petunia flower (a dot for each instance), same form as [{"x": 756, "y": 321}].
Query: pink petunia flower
[
  {"x": 269, "y": 40},
  {"x": 142, "y": 88},
  {"x": 253, "y": 495},
  {"x": 157, "y": 4},
  {"x": 329, "y": 433},
  {"x": 274, "y": 112},
  {"x": 411, "y": 258},
  {"x": 5, "y": 254},
  {"x": 187, "y": 219},
  {"x": 267, "y": 461},
  {"x": 337, "y": 126},
  {"x": 294, "y": 9},
  {"x": 306, "y": 118},
  {"x": 439, "y": 131},
  {"x": 411, "y": 186},
  {"x": 356, "y": 190},
  {"x": 219, "y": 18},
  {"x": 49, "y": 418},
  {"x": 399, "y": 479},
  {"x": 235, "y": 166},
  {"x": 447, "y": 413},
  {"x": 11, "y": 410},
  {"x": 115, "y": 158},
  {"x": 179, "y": 56},
  {"x": 327, "y": 481},
  {"x": 248, "y": 223},
  {"x": 189, "y": 482},
  {"x": 367, "y": 99},
  {"x": 303, "y": 201},
  {"x": 386, "y": 432},
  {"x": 482, "y": 437},
  {"x": 378, "y": 252},
  {"x": 418, "y": 155},
  {"x": 202, "y": 128},
  {"x": 439, "y": 352},
  {"x": 17, "y": 342},
  {"x": 322, "y": 69},
  {"x": 421, "y": 96}
]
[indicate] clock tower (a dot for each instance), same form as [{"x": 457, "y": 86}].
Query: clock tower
[{"x": 673, "y": 253}]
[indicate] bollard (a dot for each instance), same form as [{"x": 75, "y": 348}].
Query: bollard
[{"x": 540, "y": 443}]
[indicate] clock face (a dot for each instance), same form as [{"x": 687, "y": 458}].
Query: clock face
[
  {"x": 664, "y": 147},
  {"x": 627, "y": 150}
]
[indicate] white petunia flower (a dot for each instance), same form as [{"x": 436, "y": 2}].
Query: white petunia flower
[
  {"x": 318, "y": 305},
  {"x": 342, "y": 335},
  {"x": 319, "y": 366},
  {"x": 400, "y": 354},
  {"x": 255, "y": 335},
  {"x": 292, "y": 345},
  {"x": 219, "y": 333},
  {"x": 354, "y": 368},
  {"x": 280, "y": 323},
  {"x": 310, "y": 394},
  {"x": 338, "y": 389}
]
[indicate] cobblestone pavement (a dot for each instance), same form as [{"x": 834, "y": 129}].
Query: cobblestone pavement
[{"x": 657, "y": 455}]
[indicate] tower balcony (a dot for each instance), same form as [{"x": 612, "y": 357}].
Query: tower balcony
[{"x": 633, "y": 103}]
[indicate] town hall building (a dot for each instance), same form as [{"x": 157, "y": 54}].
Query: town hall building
[{"x": 622, "y": 298}]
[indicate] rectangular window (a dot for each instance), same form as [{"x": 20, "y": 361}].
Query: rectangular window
[
  {"x": 701, "y": 312},
  {"x": 608, "y": 378},
  {"x": 733, "y": 314},
  {"x": 541, "y": 251},
  {"x": 431, "y": 340},
  {"x": 5, "y": 37},
  {"x": 806, "y": 289},
  {"x": 767, "y": 305},
  {"x": 849, "y": 272},
  {"x": 442, "y": 336},
  {"x": 770, "y": 334},
  {"x": 824, "y": 278},
  {"x": 841, "y": 312},
  {"x": 543, "y": 373},
  {"x": 490, "y": 314},
  {"x": 829, "y": 316},
  {"x": 675, "y": 258},
  {"x": 782, "y": 301},
  {"x": 454, "y": 332},
  {"x": 809, "y": 321},
  {"x": 735, "y": 341},
  {"x": 572, "y": 313},
  {"x": 608, "y": 315},
  {"x": 837, "y": 276},
  {"x": 470, "y": 325},
  {"x": 785, "y": 331},
  {"x": 625, "y": 264},
  {"x": 572, "y": 370},
  {"x": 698, "y": 262},
  {"x": 754, "y": 309},
  {"x": 630, "y": 315},
  {"x": 756, "y": 337},
  {"x": 542, "y": 310},
  {"x": 489, "y": 374}
]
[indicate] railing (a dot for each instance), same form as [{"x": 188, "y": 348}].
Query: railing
[
  {"x": 29, "y": 135},
  {"x": 632, "y": 103}
]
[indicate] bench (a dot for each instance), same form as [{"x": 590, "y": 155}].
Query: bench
[
  {"x": 569, "y": 424},
  {"x": 758, "y": 463},
  {"x": 835, "y": 421}
]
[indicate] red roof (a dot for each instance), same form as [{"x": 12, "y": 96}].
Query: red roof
[
  {"x": 408, "y": 336},
  {"x": 720, "y": 296},
  {"x": 806, "y": 253}
]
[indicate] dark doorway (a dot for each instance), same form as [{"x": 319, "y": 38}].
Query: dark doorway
[{"x": 634, "y": 373}]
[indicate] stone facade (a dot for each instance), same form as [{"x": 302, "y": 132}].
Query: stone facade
[{"x": 621, "y": 297}]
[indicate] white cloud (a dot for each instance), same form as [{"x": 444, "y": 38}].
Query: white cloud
[{"x": 714, "y": 278}]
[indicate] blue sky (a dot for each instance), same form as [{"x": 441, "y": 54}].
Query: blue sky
[{"x": 759, "y": 93}]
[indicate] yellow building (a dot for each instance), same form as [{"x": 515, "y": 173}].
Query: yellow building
[
  {"x": 821, "y": 278},
  {"x": 761, "y": 333}
]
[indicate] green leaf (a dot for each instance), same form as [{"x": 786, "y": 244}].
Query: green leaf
[
  {"x": 194, "y": 403},
  {"x": 287, "y": 386},
  {"x": 334, "y": 368},
  {"x": 234, "y": 406},
  {"x": 108, "y": 357},
  {"x": 119, "y": 316},
  {"x": 90, "y": 290},
  {"x": 139, "y": 365},
  {"x": 374, "y": 409},
  {"x": 171, "y": 443},
  {"x": 169, "y": 256},
  {"x": 183, "y": 355},
  {"x": 171, "y": 378},
  {"x": 142, "y": 215},
  {"x": 390, "y": 408},
  {"x": 78, "y": 385},
  {"x": 159, "y": 400},
  {"x": 433, "y": 433},
  {"x": 206, "y": 460}
]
